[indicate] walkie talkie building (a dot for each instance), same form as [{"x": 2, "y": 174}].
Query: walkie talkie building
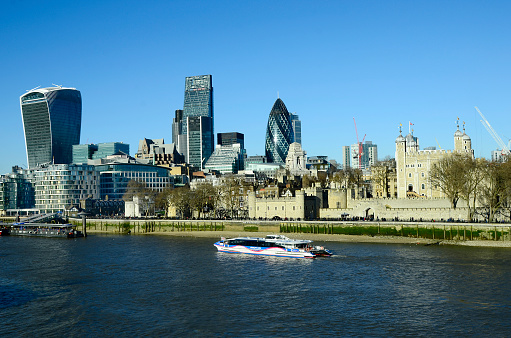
[
  {"x": 52, "y": 119},
  {"x": 279, "y": 133}
]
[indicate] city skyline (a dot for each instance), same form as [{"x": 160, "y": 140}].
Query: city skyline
[{"x": 385, "y": 64}]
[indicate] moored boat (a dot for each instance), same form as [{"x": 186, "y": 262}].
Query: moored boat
[
  {"x": 4, "y": 231},
  {"x": 44, "y": 230},
  {"x": 272, "y": 245}
]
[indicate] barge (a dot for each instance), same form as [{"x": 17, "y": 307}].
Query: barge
[{"x": 44, "y": 230}]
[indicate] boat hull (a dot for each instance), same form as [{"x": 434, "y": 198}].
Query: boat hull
[{"x": 263, "y": 251}]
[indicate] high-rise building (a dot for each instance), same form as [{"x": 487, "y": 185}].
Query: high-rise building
[
  {"x": 297, "y": 127},
  {"x": 227, "y": 139},
  {"x": 176, "y": 127},
  {"x": 346, "y": 157},
  {"x": 364, "y": 155},
  {"x": 279, "y": 133},
  {"x": 52, "y": 119},
  {"x": 199, "y": 140},
  {"x": 198, "y": 102}
]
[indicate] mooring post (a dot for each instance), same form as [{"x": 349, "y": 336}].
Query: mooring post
[{"x": 84, "y": 223}]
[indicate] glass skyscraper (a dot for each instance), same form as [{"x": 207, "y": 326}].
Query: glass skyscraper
[
  {"x": 279, "y": 133},
  {"x": 52, "y": 120},
  {"x": 200, "y": 140},
  {"x": 297, "y": 127},
  {"x": 198, "y": 102}
]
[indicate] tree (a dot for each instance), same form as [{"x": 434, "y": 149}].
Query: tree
[
  {"x": 449, "y": 176},
  {"x": 162, "y": 200},
  {"x": 180, "y": 199},
  {"x": 492, "y": 192},
  {"x": 204, "y": 198},
  {"x": 145, "y": 195},
  {"x": 381, "y": 174},
  {"x": 473, "y": 175}
]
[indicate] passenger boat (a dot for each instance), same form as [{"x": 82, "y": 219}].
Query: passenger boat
[
  {"x": 272, "y": 245},
  {"x": 4, "y": 231},
  {"x": 44, "y": 230}
]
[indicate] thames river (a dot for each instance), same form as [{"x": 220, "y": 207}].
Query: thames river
[{"x": 107, "y": 285}]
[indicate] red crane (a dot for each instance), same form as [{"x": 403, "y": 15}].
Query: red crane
[{"x": 360, "y": 149}]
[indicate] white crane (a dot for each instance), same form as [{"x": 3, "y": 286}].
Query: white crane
[{"x": 493, "y": 133}]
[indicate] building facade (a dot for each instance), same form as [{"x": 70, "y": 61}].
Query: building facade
[
  {"x": 198, "y": 103},
  {"x": 364, "y": 155},
  {"x": 279, "y": 133},
  {"x": 227, "y": 139},
  {"x": 297, "y": 127},
  {"x": 413, "y": 165},
  {"x": 199, "y": 140},
  {"x": 227, "y": 159},
  {"x": 82, "y": 153},
  {"x": 52, "y": 120}
]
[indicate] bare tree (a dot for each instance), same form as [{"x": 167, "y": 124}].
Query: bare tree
[
  {"x": 448, "y": 175},
  {"x": 492, "y": 192}
]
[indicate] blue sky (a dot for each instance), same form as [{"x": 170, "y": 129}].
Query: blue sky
[{"x": 382, "y": 62}]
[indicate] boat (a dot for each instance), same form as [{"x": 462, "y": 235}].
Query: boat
[
  {"x": 4, "y": 231},
  {"x": 44, "y": 230},
  {"x": 271, "y": 245}
]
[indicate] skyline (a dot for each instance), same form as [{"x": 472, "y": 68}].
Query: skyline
[{"x": 383, "y": 63}]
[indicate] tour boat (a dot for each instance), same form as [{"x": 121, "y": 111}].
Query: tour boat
[
  {"x": 44, "y": 230},
  {"x": 272, "y": 245}
]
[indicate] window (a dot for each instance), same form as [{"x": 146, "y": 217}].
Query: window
[
  {"x": 423, "y": 186},
  {"x": 409, "y": 174}
]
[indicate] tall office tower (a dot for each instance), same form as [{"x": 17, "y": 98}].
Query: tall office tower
[
  {"x": 297, "y": 127},
  {"x": 199, "y": 140},
  {"x": 176, "y": 127},
  {"x": 52, "y": 119},
  {"x": 346, "y": 157},
  {"x": 279, "y": 133},
  {"x": 198, "y": 102},
  {"x": 368, "y": 156},
  {"x": 227, "y": 139}
]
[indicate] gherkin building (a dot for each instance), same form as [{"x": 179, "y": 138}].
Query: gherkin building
[{"x": 279, "y": 133}]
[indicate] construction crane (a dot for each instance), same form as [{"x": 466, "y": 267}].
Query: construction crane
[
  {"x": 358, "y": 154},
  {"x": 493, "y": 133}
]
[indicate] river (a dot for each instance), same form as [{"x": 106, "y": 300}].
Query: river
[{"x": 108, "y": 285}]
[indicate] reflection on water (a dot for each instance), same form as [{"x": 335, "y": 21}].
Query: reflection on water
[{"x": 150, "y": 285}]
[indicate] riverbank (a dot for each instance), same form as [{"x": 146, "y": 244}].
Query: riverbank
[{"x": 322, "y": 238}]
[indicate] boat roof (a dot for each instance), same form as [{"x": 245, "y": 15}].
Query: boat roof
[
  {"x": 43, "y": 225},
  {"x": 277, "y": 240}
]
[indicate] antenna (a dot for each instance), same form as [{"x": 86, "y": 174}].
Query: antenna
[{"x": 278, "y": 96}]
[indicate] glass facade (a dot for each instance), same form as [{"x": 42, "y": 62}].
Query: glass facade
[
  {"x": 114, "y": 178},
  {"x": 52, "y": 121},
  {"x": 200, "y": 140},
  {"x": 297, "y": 127},
  {"x": 227, "y": 159},
  {"x": 227, "y": 139},
  {"x": 198, "y": 102},
  {"x": 279, "y": 133}
]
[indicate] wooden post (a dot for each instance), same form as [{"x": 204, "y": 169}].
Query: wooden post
[{"x": 433, "y": 231}]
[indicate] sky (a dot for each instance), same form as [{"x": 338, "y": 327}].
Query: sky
[{"x": 384, "y": 63}]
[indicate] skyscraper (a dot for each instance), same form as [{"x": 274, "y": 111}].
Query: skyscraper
[
  {"x": 200, "y": 140},
  {"x": 279, "y": 133},
  {"x": 227, "y": 139},
  {"x": 297, "y": 127},
  {"x": 198, "y": 102},
  {"x": 52, "y": 119}
]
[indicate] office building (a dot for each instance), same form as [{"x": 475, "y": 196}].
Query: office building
[
  {"x": 198, "y": 102},
  {"x": 297, "y": 127},
  {"x": 364, "y": 155},
  {"x": 227, "y": 139},
  {"x": 346, "y": 157},
  {"x": 227, "y": 159},
  {"x": 52, "y": 120},
  {"x": 82, "y": 153},
  {"x": 200, "y": 140},
  {"x": 279, "y": 133},
  {"x": 177, "y": 127}
]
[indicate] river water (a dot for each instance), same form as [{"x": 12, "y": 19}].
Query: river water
[{"x": 173, "y": 286}]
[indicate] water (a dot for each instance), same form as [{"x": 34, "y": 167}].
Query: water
[{"x": 171, "y": 286}]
